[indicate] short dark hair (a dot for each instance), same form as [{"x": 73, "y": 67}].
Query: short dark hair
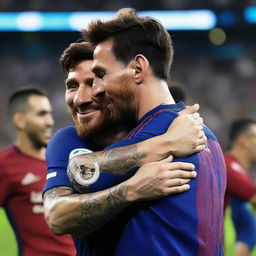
[
  {"x": 18, "y": 101},
  {"x": 133, "y": 35},
  {"x": 75, "y": 53},
  {"x": 239, "y": 127}
]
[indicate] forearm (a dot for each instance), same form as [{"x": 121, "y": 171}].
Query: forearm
[
  {"x": 121, "y": 160},
  {"x": 81, "y": 214}
]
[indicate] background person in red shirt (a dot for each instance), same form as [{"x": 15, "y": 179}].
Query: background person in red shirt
[
  {"x": 22, "y": 176},
  {"x": 240, "y": 188}
]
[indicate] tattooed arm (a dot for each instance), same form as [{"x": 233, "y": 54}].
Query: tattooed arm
[
  {"x": 184, "y": 137},
  {"x": 81, "y": 214}
]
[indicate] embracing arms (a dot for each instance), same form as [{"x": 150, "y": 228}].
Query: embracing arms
[
  {"x": 184, "y": 137},
  {"x": 67, "y": 212},
  {"x": 81, "y": 214}
]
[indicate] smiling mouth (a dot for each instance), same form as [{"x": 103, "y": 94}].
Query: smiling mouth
[{"x": 86, "y": 112}]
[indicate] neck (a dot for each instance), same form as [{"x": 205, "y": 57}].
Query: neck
[
  {"x": 151, "y": 94},
  {"x": 242, "y": 156},
  {"x": 25, "y": 145},
  {"x": 105, "y": 140}
]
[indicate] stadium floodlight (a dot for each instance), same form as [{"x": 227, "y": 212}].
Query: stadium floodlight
[
  {"x": 250, "y": 14},
  {"x": 68, "y": 21}
]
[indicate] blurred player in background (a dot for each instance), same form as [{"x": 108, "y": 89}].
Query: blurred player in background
[
  {"x": 240, "y": 188},
  {"x": 22, "y": 175}
]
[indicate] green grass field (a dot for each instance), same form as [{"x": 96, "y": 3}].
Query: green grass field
[
  {"x": 230, "y": 236},
  {"x": 8, "y": 245}
]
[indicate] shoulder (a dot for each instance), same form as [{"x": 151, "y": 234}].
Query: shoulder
[
  {"x": 209, "y": 133},
  {"x": 156, "y": 122},
  {"x": 64, "y": 136},
  {"x": 65, "y": 132},
  {"x": 7, "y": 153},
  {"x": 63, "y": 142}
]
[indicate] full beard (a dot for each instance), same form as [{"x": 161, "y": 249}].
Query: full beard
[
  {"x": 110, "y": 123},
  {"x": 122, "y": 117}
]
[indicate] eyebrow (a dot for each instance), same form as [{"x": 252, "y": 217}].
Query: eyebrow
[{"x": 70, "y": 80}]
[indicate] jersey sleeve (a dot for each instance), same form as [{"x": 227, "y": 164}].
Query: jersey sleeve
[
  {"x": 239, "y": 185},
  {"x": 57, "y": 155}
]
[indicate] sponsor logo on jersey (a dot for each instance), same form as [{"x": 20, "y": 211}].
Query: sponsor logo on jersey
[
  {"x": 37, "y": 201},
  {"x": 237, "y": 167},
  {"x": 30, "y": 178}
]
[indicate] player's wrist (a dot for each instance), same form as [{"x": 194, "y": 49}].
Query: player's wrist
[
  {"x": 130, "y": 191},
  {"x": 155, "y": 149}
]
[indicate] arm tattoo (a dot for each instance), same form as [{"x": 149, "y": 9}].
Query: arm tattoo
[
  {"x": 96, "y": 209},
  {"x": 56, "y": 192},
  {"x": 116, "y": 161}
]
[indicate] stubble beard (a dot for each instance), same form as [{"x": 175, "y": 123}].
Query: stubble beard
[{"x": 37, "y": 142}]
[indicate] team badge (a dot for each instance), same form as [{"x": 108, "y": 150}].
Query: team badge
[{"x": 80, "y": 172}]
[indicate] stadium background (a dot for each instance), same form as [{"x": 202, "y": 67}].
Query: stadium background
[{"x": 216, "y": 66}]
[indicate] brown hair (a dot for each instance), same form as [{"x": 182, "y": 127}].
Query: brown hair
[
  {"x": 75, "y": 53},
  {"x": 134, "y": 35}
]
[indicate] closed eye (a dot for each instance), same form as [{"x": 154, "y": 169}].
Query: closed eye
[
  {"x": 98, "y": 72},
  {"x": 71, "y": 84}
]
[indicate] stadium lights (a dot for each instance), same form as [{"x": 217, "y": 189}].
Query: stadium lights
[
  {"x": 250, "y": 14},
  {"x": 75, "y": 21}
]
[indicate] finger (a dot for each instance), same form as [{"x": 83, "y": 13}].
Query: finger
[
  {"x": 195, "y": 116},
  {"x": 178, "y": 189},
  {"x": 200, "y": 148},
  {"x": 174, "y": 166},
  {"x": 167, "y": 159},
  {"x": 199, "y": 121},
  {"x": 202, "y": 141},
  {"x": 177, "y": 182},
  {"x": 190, "y": 109},
  {"x": 202, "y": 135},
  {"x": 181, "y": 174}
]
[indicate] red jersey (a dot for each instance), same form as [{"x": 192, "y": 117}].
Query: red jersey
[
  {"x": 239, "y": 184},
  {"x": 22, "y": 179}
]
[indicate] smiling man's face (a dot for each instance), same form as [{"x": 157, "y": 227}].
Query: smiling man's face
[{"x": 96, "y": 110}]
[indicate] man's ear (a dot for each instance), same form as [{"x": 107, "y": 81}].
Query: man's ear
[
  {"x": 19, "y": 120},
  {"x": 141, "y": 66}
]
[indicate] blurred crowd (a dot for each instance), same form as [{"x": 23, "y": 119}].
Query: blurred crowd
[
  {"x": 223, "y": 84},
  {"x": 97, "y": 5}
]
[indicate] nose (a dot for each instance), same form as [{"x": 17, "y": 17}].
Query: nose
[
  {"x": 98, "y": 91},
  {"x": 49, "y": 120},
  {"x": 83, "y": 96}
]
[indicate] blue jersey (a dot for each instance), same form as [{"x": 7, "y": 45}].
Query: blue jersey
[
  {"x": 244, "y": 222},
  {"x": 57, "y": 154},
  {"x": 190, "y": 223}
]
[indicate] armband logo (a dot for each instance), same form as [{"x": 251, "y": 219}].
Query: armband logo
[
  {"x": 82, "y": 173},
  {"x": 51, "y": 175}
]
